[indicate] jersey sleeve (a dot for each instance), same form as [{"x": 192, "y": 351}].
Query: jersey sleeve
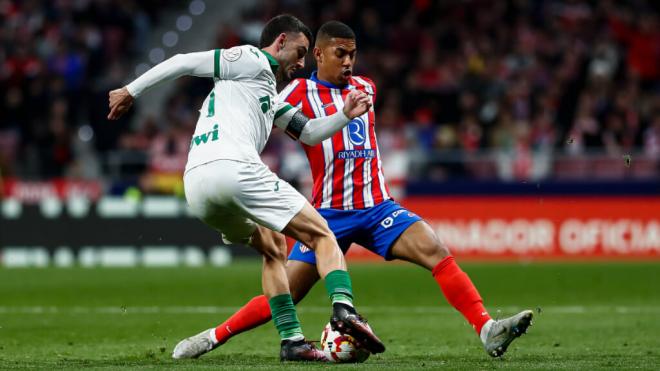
[
  {"x": 293, "y": 93},
  {"x": 284, "y": 113},
  {"x": 192, "y": 64},
  {"x": 237, "y": 63}
]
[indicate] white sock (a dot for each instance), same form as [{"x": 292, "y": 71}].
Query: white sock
[
  {"x": 485, "y": 329},
  {"x": 212, "y": 336}
]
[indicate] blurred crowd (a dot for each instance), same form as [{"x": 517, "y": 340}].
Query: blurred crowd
[
  {"x": 466, "y": 89},
  {"x": 58, "y": 59}
]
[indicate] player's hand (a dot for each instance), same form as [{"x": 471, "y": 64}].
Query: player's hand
[
  {"x": 356, "y": 104},
  {"x": 120, "y": 102}
]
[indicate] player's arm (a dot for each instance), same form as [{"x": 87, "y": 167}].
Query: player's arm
[
  {"x": 314, "y": 131},
  {"x": 192, "y": 64}
]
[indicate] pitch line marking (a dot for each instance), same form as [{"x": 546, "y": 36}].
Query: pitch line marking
[{"x": 124, "y": 310}]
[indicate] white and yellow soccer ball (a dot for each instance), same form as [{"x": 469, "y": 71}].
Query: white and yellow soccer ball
[{"x": 340, "y": 348}]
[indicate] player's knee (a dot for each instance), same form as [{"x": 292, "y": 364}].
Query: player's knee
[
  {"x": 274, "y": 252},
  {"x": 271, "y": 245},
  {"x": 322, "y": 237},
  {"x": 434, "y": 249},
  {"x": 317, "y": 234},
  {"x": 279, "y": 240}
]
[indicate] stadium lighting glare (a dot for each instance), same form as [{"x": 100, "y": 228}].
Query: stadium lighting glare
[
  {"x": 197, "y": 7},
  {"x": 85, "y": 133},
  {"x": 156, "y": 55},
  {"x": 141, "y": 68},
  {"x": 184, "y": 22},
  {"x": 170, "y": 38}
]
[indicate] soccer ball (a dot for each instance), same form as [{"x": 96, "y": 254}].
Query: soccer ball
[{"x": 341, "y": 348}]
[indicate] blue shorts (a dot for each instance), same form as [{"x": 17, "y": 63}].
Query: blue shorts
[{"x": 375, "y": 228}]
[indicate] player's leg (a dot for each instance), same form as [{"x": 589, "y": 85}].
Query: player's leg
[
  {"x": 276, "y": 299},
  {"x": 309, "y": 227},
  {"x": 273, "y": 203},
  {"x": 276, "y": 288},
  {"x": 302, "y": 277},
  {"x": 420, "y": 245},
  {"x": 214, "y": 195}
]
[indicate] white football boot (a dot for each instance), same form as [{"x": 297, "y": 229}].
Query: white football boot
[
  {"x": 194, "y": 346},
  {"x": 502, "y": 332}
]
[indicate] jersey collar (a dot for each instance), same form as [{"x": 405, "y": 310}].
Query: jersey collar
[
  {"x": 330, "y": 85},
  {"x": 273, "y": 62}
]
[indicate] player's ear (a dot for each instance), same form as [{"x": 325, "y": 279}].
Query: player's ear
[
  {"x": 318, "y": 54},
  {"x": 281, "y": 40}
]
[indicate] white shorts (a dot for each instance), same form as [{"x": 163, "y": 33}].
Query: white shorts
[{"x": 232, "y": 196}]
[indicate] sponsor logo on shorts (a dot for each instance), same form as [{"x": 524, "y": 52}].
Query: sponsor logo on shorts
[
  {"x": 398, "y": 212},
  {"x": 304, "y": 249},
  {"x": 389, "y": 221}
]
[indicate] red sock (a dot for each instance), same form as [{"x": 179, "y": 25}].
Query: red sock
[
  {"x": 460, "y": 292},
  {"x": 255, "y": 313}
]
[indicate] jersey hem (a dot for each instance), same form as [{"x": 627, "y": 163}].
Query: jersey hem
[{"x": 221, "y": 159}]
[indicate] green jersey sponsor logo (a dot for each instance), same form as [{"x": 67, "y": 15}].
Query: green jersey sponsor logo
[{"x": 202, "y": 139}]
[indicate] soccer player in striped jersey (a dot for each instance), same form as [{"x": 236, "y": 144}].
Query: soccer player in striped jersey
[
  {"x": 351, "y": 194},
  {"x": 229, "y": 188}
]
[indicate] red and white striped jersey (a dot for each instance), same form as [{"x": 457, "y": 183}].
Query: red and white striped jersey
[{"x": 346, "y": 168}]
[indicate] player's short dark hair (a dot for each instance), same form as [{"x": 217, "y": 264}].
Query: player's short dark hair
[
  {"x": 283, "y": 23},
  {"x": 335, "y": 29}
]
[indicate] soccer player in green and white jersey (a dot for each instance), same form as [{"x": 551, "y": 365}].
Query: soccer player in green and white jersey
[{"x": 231, "y": 189}]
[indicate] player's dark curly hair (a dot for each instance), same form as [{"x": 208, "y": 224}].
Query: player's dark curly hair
[
  {"x": 283, "y": 23},
  {"x": 335, "y": 29}
]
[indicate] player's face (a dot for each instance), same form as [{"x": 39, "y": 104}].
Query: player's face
[
  {"x": 335, "y": 59},
  {"x": 291, "y": 56}
]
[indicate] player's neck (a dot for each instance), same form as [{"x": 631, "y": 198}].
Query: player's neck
[
  {"x": 327, "y": 80},
  {"x": 270, "y": 50}
]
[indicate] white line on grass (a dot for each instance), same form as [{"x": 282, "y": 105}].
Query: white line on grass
[{"x": 565, "y": 309}]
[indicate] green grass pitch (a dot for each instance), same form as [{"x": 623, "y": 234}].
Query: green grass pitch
[{"x": 588, "y": 316}]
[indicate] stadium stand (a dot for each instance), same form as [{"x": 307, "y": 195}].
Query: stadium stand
[{"x": 466, "y": 90}]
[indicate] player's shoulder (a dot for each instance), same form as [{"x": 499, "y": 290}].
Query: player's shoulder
[
  {"x": 245, "y": 54},
  {"x": 299, "y": 83},
  {"x": 294, "y": 88},
  {"x": 364, "y": 81}
]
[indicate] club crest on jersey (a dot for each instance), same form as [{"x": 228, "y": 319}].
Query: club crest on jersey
[
  {"x": 357, "y": 131},
  {"x": 232, "y": 54}
]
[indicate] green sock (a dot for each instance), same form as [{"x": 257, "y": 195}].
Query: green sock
[
  {"x": 285, "y": 317},
  {"x": 340, "y": 289}
]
